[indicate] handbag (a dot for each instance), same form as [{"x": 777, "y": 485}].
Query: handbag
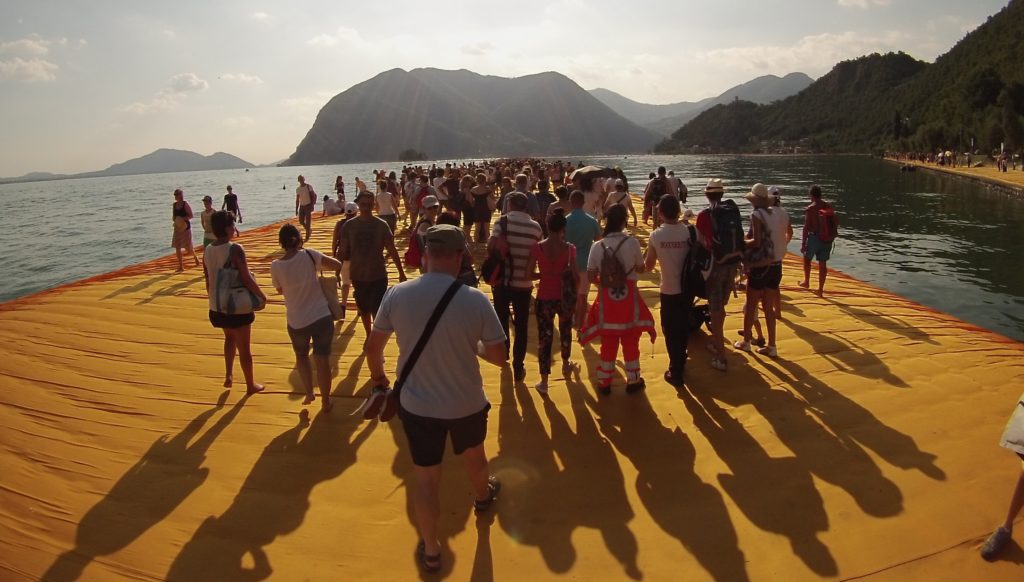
[
  {"x": 495, "y": 266},
  {"x": 765, "y": 252},
  {"x": 329, "y": 287},
  {"x": 233, "y": 297},
  {"x": 383, "y": 402},
  {"x": 1013, "y": 434}
]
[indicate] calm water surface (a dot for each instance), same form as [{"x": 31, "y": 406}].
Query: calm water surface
[{"x": 949, "y": 244}]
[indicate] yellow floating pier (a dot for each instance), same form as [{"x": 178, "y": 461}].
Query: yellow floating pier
[{"x": 868, "y": 450}]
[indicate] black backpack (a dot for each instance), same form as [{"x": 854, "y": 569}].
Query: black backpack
[
  {"x": 728, "y": 228},
  {"x": 697, "y": 259},
  {"x": 659, "y": 186}
]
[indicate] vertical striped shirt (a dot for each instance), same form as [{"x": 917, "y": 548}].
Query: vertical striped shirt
[{"x": 523, "y": 232}]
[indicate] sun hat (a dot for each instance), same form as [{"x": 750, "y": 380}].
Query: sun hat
[
  {"x": 351, "y": 208},
  {"x": 445, "y": 237},
  {"x": 430, "y": 201},
  {"x": 715, "y": 186},
  {"x": 758, "y": 192}
]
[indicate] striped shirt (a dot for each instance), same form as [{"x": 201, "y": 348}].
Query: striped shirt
[{"x": 523, "y": 232}]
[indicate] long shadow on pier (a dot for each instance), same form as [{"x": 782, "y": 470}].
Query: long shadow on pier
[
  {"x": 160, "y": 481},
  {"x": 683, "y": 505},
  {"x": 273, "y": 500}
]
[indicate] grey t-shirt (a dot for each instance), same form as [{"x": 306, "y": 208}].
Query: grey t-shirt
[{"x": 446, "y": 381}]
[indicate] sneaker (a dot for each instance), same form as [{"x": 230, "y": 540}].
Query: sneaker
[
  {"x": 770, "y": 351},
  {"x": 719, "y": 364},
  {"x": 541, "y": 387},
  {"x": 995, "y": 544},
  {"x": 742, "y": 345},
  {"x": 672, "y": 380},
  {"x": 604, "y": 389},
  {"x": 636, "y": 386}
]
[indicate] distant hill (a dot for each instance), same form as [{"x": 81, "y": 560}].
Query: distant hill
[
  {"x": 665, "y": 119},
  {"x": 168, "y": 160},
  {"x": 893, "y": 101},
  {"x": 160, "y": 161},
  {"x": 454, "y": 114}
]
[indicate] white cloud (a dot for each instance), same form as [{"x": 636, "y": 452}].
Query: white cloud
[
  {"x": 477, "y": 49},
  {"x": 343, "y": 36},
  {"x": 813, "y": 55},
  {"x": 177, "y": 89},
  {"x": 27, "y": 70},
  {"x": 259, "y": 16},
  {"x": 26, "y": 47},
  {"x": 240, "y": 122},
  {"x": 242, "y": 78},
  {"x": 187, "y": 83},
  {"x": 862, "y": 4}
]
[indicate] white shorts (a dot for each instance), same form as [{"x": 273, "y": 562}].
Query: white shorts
[{"x": 346, "y": 278}]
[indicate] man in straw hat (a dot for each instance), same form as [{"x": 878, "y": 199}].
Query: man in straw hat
[{"x": 720, "y": 230}]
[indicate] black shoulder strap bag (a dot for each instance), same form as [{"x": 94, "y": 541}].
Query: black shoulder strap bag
[{"x": 383, "y": 402}]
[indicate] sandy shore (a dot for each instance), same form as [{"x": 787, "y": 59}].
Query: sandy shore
[{"x": 868, "y": 450}]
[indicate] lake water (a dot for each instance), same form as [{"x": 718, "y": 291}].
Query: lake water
[{"x": 948, "y": 244}]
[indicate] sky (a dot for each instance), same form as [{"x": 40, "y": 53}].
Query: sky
[{"x": 84, "y": 85}]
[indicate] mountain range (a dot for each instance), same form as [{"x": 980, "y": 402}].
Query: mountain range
[
  {"x": 160, "y": 161},
  {"x": 973, "y": 94},
  {"x": 665, "y": 119},
  {"x": 456, "y": 114}
]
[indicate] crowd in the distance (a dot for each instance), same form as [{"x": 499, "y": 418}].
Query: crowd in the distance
[{"x": 558, "y": 244}]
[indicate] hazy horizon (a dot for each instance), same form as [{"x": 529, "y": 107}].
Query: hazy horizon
[{"x": 84, "y": 88}]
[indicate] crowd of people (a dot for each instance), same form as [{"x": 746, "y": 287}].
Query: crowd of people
[{"x": 550, "y": 231}]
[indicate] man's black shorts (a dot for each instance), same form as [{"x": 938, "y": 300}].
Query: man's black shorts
[
  {"x": 369, "y": 295},
  {"x": 427, "y": 435},
  {"x": 767, "y": 277}
]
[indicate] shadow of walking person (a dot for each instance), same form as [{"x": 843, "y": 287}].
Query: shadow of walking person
[
  {"x": 273, "y": 500},
  {"x": 791, "y": 507},
  {"x": 543, "y": 502},
  {"x": 853, "y": 423},
  {"x": 680, "y": 503},
  {"x": 163, "y": 478}
]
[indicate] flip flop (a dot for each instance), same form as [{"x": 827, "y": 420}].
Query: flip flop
[{"x": 430, "y": 563}]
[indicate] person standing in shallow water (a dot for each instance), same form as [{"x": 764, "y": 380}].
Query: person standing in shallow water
[
  {"x": 231, "y": 204},
  {"x": 237, "y": 328},
  {"x": 181, "y": 213}
]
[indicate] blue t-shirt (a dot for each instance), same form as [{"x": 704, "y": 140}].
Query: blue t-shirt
[{"x": 581, "y": 229}]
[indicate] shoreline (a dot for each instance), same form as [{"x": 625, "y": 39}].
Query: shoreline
[{"x": 980, "y": 175}]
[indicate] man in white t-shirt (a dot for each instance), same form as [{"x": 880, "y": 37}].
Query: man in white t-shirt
[
  {"x": 331, "y": 207},
  {"x": 669, "y": 246},
  {"x": 305, "y": 200}
]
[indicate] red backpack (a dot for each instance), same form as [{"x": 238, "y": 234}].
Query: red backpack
[
  {"x": 414, "y": 254},
  {"x": 828, "y": 224}
]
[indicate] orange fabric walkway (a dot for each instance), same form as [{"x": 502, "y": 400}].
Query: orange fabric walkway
[{"x": 867, "y": 451}]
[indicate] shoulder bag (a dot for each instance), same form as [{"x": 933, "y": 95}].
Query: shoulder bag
[
  {"x": 329, "y": 287},
  {"x": 383, "y": 402},
  {"x": 233, "y": 297}
]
